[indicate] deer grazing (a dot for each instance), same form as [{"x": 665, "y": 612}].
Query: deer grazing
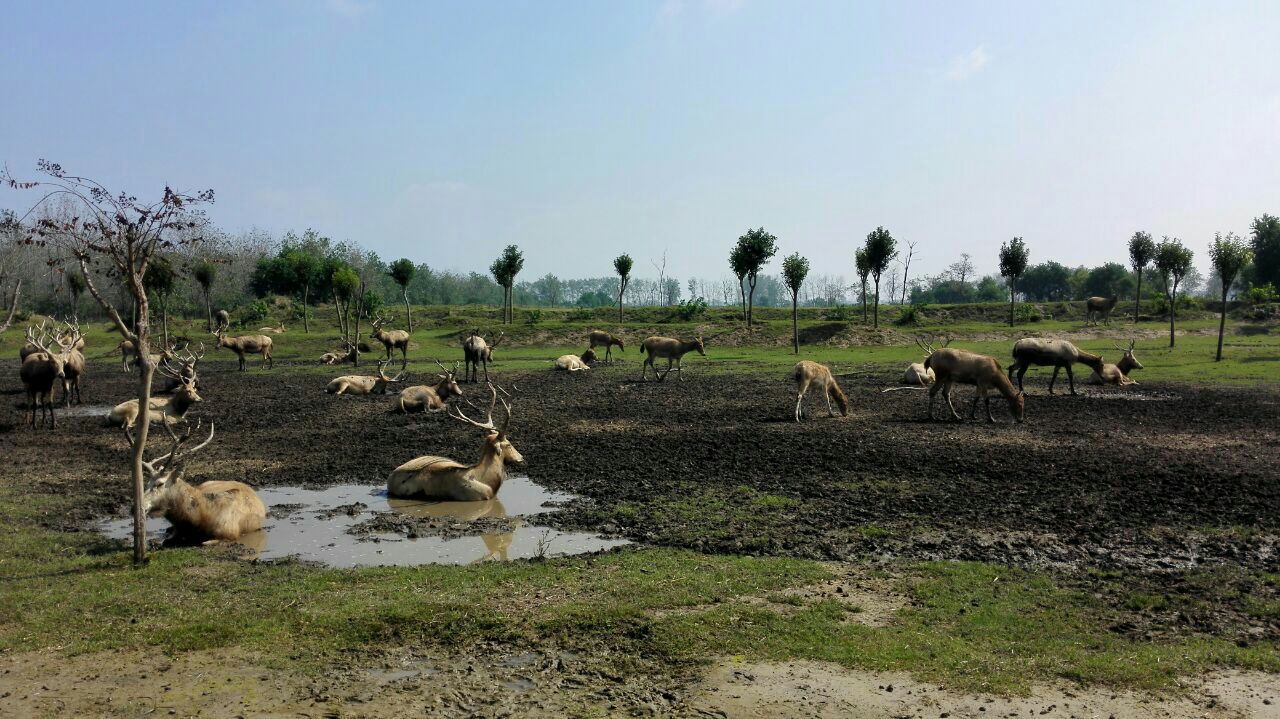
[
  {"x": 248, "y": 344},
  {"x": 1058, "y": 354},
  {"x": 362, "y": 385},
  {"x": 223, "y": 321},
  {"x": 600, "y": 338},
  {"x": 952, "y": 366},
  {"x": 443, "y": 478},
  {"x": 477, "y": 351},
  {"x": 670, "y": 349},
  {"x": 391, "y": 339},
  {"x": 1100, "y": 307},
  {"x": 576, "y": 363},
  {"x": 169, "y": 409},
  {"x": 431, "y": 398},
  {"x": 808, "y": 373},
  {"x": 214, "y": 511},
  {"x": 1118, "y": 373},
  {"x": 39, "y": 371}
]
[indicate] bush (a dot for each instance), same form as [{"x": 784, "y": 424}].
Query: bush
[
  {"x": 533, "y": 317},
  {"x": 1026, "y": 313},
  {"x": 1260, "y": 295},
  {"x": 689, "y": 309},
  {"x": 839, "y": 313},
  {"x": 373, "y": 304},
  {"x": 254, "y": 313},
  {"x": 912, "y": 315}
]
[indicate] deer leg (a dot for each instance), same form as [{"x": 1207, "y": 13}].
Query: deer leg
[
  {"x": 486, "y": 371},
  {"x": 973, "y": 409},
  {"x": 1071, "y": 380},
  {"x": 946, "y": 393},
  {"x": 1054, "y": 378},
  {"x": 1022, "y": 369},
  {"x": 990, "y": 419},
  {"x": 799, "y": 399},
  {"x": 827, "y": 392},
  {"x": 644, "y": 369},
  {"x": 932, "y": 392},
  {"x": 664, "y": 374}
]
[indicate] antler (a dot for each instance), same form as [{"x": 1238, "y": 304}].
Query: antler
[
  {"x": 495, "y": 342},
  {"x": 174, "y": 454},
  {"x": 488, "y": 423},
  {"x": 39, "y": 337},
  {"x": 73, "y": 333},
  {"x": 447, "y": 371},
  {"x": 925, "y": 345}
]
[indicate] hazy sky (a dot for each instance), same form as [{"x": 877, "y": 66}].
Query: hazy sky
[{"x": 581, "y": 130}]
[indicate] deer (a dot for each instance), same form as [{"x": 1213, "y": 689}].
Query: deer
[
  {"x": 576, "y": 363},
  {"x": 600, "y": 338},
  {"x": 129, "y": 357},
  {"x": 916, "y": 374},
  {"x": 443, "y": 478},
  {"x": 279, "y": 329},
  {"x": 223, "y": 321},
  {"x": 167, "y": 410},
  {"x": 476, "y": 352},
  {"x": 808, "y": 373},
  {"x": 671, "y": 349},
  {"x": 1100, "y": 307},
  {"x": 73, "y": 362},
  {"x": 363, "y": 385},
  {"x": 1118, "y": 373},
  {"x": 955, "y": 365},
  {"x": 391, "y": 339},
  {"x": 216, "y": 511},
  {"x": 431, "y": 398},
  {"x": 186, "y": 364},
  {"x": 1059, "y": 354},
  {"x": 39, "y": 371},
  {"x": 248, "y": 344}
]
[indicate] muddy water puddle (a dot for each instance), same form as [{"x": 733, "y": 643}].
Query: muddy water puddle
[
  {"x": 85, "y": 410},
  {"x": 359, "y": 525}
]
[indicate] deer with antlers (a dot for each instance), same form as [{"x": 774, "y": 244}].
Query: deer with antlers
[
  {"x": 444, "y": 478},
  {"x": 248, "y": 344},
  {"x": 216, "y": 511},
  {"x": 808, "y": 373},
  {"x": 952, "y": 366},
  {"x": 431, "y": 398},
  {"x": 477, "y": 351},
  {"x": 600, "y": 338},
  {"x": 167, "y": 410},
  {"x": 181, "y": 365},
  {"x": 391, "y": 339},
  {"x": 39, "y": 371},
  {"x": 670, "y": 349},
  {"x": 362, "y": 385},
  {"x": 1118, "y": 373}
]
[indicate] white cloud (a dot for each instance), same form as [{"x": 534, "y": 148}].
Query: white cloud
[
  {"x": 966, "y": 65},
  {"x": 350, "y": 8}
]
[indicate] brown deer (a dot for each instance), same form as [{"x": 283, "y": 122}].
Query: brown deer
[
  {"x": 955, "y": 365},
  {"x": 216, "y": 511},
  {"x": 180, "y": 366},
  {"x": 129, "y": 357},
  {"x": 431, "y": 398},
  {"x": 477, "y": 351},
  {"x": 916, "y": 375},
  {"x": 73, "y": 362},
  {"x": 168, "y": 410},
  {"x": 39, "y": 371},
  {"x": 808, "y": 373},
  {"x": 1118, "y": 373},
  {"x": 248, "y": 344},
  {"x": 443, "y": 478},
  {"x": 670, "y": 349},
  {"x": 279, "y": 329},
  {"x": 362, "y": 385},
  {"x": 576, "y": 363},
  {"x": 391, "y": 339},
  {"x": 1100, "y": 307},
  {"x": 1059, "y": 354},
  {"x": 224, "y": 321},
  {"x": 600, "y": 338}
]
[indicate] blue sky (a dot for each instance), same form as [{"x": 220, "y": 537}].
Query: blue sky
[{"x": 443, "y": 132}]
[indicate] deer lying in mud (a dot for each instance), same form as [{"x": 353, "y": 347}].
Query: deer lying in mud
[
  {"x": 952, "y": 366},
  {"x": 1118, "y": 373},
  {"x": 477, "y": 351},
  {"x": 217, "y": 511},
  {"x": 600, "y": 338},
  {"x": 347, "y": 354},
  {"x": 280, "y": 329},
  {"x": 670, "y": 349},
  {"x": 171, "y": 409},
  {"x": 39, "y": 371},
  {"x": 391, "y": 339},
  {"x": 361, "y": 384},
  {"x": 223, "y": 319},
  {"x": 576, "y": 363},
  {"x": 248, "y": 344},
  {"x": 808, "y": 373},
  {"x": 431, "y": 398},
  {"x": 1100, "y": 307},
  {"x": 443, "y": 478},
  {"x": 1045, "y": 353}
]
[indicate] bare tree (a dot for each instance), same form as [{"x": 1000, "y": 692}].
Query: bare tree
[{"x": 906, "y": 268}]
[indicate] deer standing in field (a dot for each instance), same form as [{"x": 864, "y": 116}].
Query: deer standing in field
[
  {"x": 1058, "y": 354},
  {"x": 952, "y": 366},
  {"x": 576, "y": 363},
  {"x": 73, "y": 362},
  {"x": 223, "y": 321},
  {"x": 248, "y": 344},
  {"x": 167, "y": 410},
  {"x": 600, "y": 338},
  {"x": 39, "y": 371},
  {"x": 670, "y": 349},
  {"x": 362, "y": 385},
  {"x": 217, "y": 511},
  {"x": 1100, "y": 307},
  {"x": 431, "y": 398},
  {"x": 808, "y": 373},
  {"x": 391, "y": 339},
  {"x": 444, "y": 478},
  {"x": 1118, "y": 373},
  {"x": 476, "y": 352}
]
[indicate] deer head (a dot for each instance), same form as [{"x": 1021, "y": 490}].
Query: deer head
[
  {"x": 700, "y": 345},
  {"x": 1128, "y": 361},
  {"x": 496, "y": 441},
  {"x": 448, "y": 385},
  {"x": 164, "y": 474},
  {"x": 40, "y": 338}
]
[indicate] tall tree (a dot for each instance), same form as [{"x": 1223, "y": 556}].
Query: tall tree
[
  {"x": 126, "y": 232},
  {"x": 1142, "y": 250},
  {"x": 345, "y": 283},
  {"x": 1013, "y": 262},
  {"x": 205, "y": 273},
  {"x": 303, "y": 266},
  {"x": 739, "y": 263},
  {"x": 906, "y": 267},
  {"x": 498, "y": 269},
  {"x": 622, "y": 265},
  {"x": 1266, "y": 250},
  {"x": 1229, "y": 255},
  {"x": 1173, "y": 262},
  {"x": 862, "y": 262},
  {"x": 794, "y": 269},
  {"x": 76, "y": 286},
  {"x": 402, "y": 272},
  {"x": 757, "y": 248},
  {"x": 513, "y": 261},
  {"x": 881, "y": 249},
  {"x": 159, "y": 281}
]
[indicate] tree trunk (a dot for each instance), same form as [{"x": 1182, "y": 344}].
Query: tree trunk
[
  {"x": 306, "y": 295},
  {"x": 742, "y": 292},
  {"x": 1137, "y": 299},
  {"x": 864, "y": 301},
  {"x": 1222, "y": 321},
  {"x": 407, "y": 313},
  {"x": 164, "y": 321},
  {"x": 208, "y": 311},
  {"x": 622, "y": 288},
  {"x": 13, "y": 306},
  {"x": 359, "y": 308},
  {"x": 1173, "y": 308},
  {"x": 1012, "y": 293},
  {"x": 795, "y": 322},
  {"x": 751, "y": 300},
  {"x": 875, "y": 318},
  {"x": 141, "y": 429}
]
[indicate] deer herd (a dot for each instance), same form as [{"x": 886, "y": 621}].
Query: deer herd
[{"x": 224, "y": 510}]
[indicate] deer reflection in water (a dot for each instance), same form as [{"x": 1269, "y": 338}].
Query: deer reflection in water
[{"x": 496, "y": 543}]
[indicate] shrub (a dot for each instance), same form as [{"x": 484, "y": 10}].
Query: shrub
[
  {"x": 689, "y": 309},
  {"x": 1259, "y": 295},
  {"x": 839, "y": 313},
  {"x": 533, "y": 317},
  {"x": 912, "y": 315},
  {"x": 1026, "y": 313},
  {"x": 254, "y": 313}
]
